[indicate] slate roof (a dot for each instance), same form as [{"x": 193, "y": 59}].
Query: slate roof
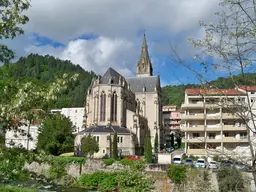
[
  {"x": 106, "y": 129},
  {"x": 138, "y": 83},
  {"x": 111, "y": 73}
]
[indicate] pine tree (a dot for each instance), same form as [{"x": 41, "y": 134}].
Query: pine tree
[
  {"x": 156, "y": 143},
  {"x": 145, "y": 147},
  {"x": 115, "y": 155},
  {"x": 149, "y": 150},
  {"x": 110, "y": 147},
  {"x": 172, "y": 140}
]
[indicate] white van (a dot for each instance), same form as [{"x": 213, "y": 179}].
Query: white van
[{"x": 176, "y": 159}]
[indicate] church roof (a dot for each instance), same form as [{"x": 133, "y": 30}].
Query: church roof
[
  {"x": 143, "y": 84},
  {"x": 112, "y": 75},
  {"x": 106, "y": 129}
]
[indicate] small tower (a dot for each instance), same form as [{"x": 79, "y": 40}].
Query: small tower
[{"x": 144, "y": 66}]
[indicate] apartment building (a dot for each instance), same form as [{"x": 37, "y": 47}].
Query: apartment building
[
  {"x": 212, "y": 123},
  {"x": 171, "y": 122},
  {"x": 76, "y": 116}
]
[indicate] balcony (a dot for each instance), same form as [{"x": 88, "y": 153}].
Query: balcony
[
  {"x": 193, "y": 128},
  {"x": 195, "y": 105},
  {"x": 230, "y": 116},
  {"x": 235, "y": 140},
  {"x": 213, "y": 116},
  {"x": 192, "y": 116},
  {"x": 196, "y": 152},
  {"x": 234, "y": 128},
  {"x": 196, "y": 140}
]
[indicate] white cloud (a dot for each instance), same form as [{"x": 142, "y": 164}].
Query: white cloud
[
  {"x": 63, "y": 20},
  {"x": 96, "y": 55}
]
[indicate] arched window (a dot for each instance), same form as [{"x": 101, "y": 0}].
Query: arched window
[
  {"x": 114, "y": 107},
  {"x": 102, "y": 106}
]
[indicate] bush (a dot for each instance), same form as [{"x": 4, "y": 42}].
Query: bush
[
  {"x": 109, "y": 161},
  {"x": 177, "y": 174},
  {"x": 230, "y": 179},
  {"x": 133, "y": 181},
  {"x": 57, "y": 170},
  {"x": 6, "y": 188},
  {"x": 125, "y": 181}
]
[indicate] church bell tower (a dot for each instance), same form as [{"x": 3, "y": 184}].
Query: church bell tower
[{"x": 144, "y": 66}]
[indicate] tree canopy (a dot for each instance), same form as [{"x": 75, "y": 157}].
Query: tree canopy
[
  {"x": 89, "y": 145},
  {"x": 55, "y": 135}
]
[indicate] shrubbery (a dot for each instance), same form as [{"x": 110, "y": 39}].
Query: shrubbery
[
  {"x": 230, "y": 179},
  {"x": 177, "y": 173},
  {"x": 124, "y": 181},
  {"x": 109, "y": 161},
  {"x": 7, "y": 188}
]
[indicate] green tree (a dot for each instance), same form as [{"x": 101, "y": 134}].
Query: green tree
[
  {"x": 178, "y": 139},
  {"x": 177, "y": 174},
  {"x": 148, "y": 149},
  {"x": 115, "y": 149},
  {"x": 55, "y": 135},
  {"x": 89, "y": 145},
  {"x": 110, "y": 147},
  {"x": 10, "y": 22},
  {"x": 172, "y": 140},
  {"x": 156, "y": 143}
]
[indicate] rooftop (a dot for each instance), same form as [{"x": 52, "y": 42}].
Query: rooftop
[
  {"x": 106, "y": 129},
  {"x": 214, "y": 92},
  {"x": 248, "y": 88}
]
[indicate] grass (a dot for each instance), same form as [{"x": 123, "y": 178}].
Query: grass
[{"x": 7, "y": 188}]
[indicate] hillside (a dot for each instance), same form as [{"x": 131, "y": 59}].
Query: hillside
[
  {"x": 174, "y": 95},
  {"x": 43, "y": 70}
]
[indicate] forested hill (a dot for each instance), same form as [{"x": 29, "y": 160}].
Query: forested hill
[
  {"x": 43, "y": 70},
  {"x": 174, "y": 94}
]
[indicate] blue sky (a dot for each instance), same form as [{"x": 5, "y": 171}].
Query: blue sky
[{"x": 102, "y": 34}]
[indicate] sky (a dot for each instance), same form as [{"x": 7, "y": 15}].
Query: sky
[{"x": 102, "y": 34}]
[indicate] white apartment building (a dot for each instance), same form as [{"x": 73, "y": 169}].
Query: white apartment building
[
  {"x": 19, "y": 138},
  {"x": 211, "y": 121},
  {"x": 76, "y": 116}
]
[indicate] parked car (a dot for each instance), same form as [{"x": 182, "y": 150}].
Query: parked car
[
  {"x": 176, "y": 160},
  {"x": 212, "y": 165},
  {"x": 188, "y": 162},
  {"x": 133, "y": 158},
  {"x": 201, "y": 163},
  {"x": 226, "y": 163},
  {"x": 169, "y": 150}
]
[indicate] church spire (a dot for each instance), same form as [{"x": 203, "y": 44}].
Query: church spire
[{"x": 144, "y": 66}]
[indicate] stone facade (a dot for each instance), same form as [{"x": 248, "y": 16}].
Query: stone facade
[{"x": 130, "y": 107}]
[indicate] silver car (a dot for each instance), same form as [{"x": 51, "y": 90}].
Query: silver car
[{"x": 212, "y": 165}]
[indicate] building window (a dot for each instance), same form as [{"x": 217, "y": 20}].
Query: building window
[
  {"x": 243, "y": 135},
  {"x": 252, "y": 92},
  {"x": 97, "y": 138},
  {"x": 102, "y": 106},
  {"x": 114, "y": 107},
  {"x": 103, "y": 150},
  {"x": 119, "y": 139},
  {"x": 212, "y": 136},
  {"x": 226, "y": 134},
  {"x": 195, "y": 135}
]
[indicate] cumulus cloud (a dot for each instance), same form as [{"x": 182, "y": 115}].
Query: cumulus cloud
[
  {"x": 64, "y": 20},
  {"x": 96, "y": 54}
]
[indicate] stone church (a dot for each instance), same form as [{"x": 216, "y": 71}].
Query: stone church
[{"x": 130, "y": 107}]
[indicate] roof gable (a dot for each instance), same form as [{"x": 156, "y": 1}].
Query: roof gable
[{"x": 111, "y": 77}]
